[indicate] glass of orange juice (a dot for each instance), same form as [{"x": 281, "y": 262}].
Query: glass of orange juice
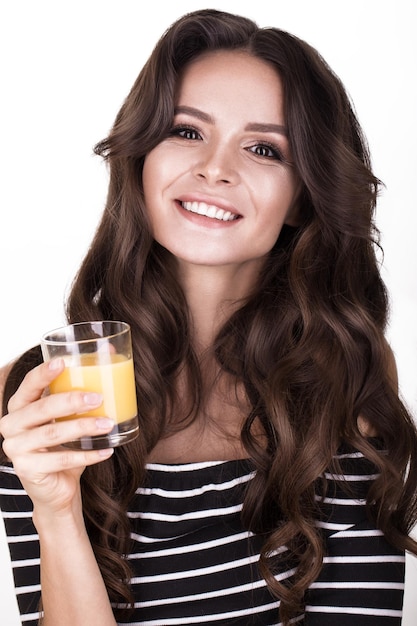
[{"x": 98, "y": 358}]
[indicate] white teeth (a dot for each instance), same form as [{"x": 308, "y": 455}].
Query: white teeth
[{"x": 209, "y": 210}]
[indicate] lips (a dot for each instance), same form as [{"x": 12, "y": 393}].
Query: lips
[{"x": 209, "y": 210}]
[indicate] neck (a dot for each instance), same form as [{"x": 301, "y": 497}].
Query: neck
[{"x": 213, "y": 294}]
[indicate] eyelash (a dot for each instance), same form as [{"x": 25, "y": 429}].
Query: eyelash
[
  {"x": 177, "y": 130},
  {"x": 275, "y": 152}
]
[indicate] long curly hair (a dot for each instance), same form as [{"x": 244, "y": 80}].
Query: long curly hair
[{"x": 308, "y": 345}]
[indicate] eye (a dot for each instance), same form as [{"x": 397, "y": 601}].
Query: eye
[
  {"x": 185, "y": 132},
  {"x": 266, "y": 151}
]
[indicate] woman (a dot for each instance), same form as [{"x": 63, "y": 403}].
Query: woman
[{"x": 274, "y": 480}]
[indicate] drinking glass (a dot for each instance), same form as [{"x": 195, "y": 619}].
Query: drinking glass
[{"x": 98, "y": 358}]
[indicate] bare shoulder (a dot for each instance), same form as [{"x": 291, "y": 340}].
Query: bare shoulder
[{"x": 4, "y": 372}]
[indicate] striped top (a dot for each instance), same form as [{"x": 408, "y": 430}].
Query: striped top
[{"x": 194, "y": 563}]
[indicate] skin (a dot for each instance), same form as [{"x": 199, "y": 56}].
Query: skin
[
  {"x": 230, "y": 154},
  {"x": 218, "y": 156},
  {"x": 50, "y": 474}
]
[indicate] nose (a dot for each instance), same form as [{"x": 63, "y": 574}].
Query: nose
[{"x": 217, "y": 165}]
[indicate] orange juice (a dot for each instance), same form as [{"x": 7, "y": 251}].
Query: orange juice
[{"x": 113, "y": 378}]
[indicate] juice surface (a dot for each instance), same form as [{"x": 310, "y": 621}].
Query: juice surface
[{"x": 115, "y": 380}]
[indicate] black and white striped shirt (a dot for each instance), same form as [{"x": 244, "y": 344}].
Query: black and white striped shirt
[{"x": 194, "y": 563}]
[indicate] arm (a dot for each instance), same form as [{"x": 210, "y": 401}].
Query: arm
[{"x": 73, "y": 591}]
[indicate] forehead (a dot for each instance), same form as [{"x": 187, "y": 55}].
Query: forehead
[{"x": 234, "y": 79}]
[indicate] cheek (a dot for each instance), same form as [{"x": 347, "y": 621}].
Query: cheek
[
  {"x": 279, "y": 196},
  {"x": 163, "y": 166}
]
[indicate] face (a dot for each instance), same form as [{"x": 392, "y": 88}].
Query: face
[{"x": 220, "y": 187}]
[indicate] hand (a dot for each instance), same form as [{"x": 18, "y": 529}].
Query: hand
[{"x": 49, "y": 472}]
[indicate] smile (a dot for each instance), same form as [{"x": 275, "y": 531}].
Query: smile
[{"x": 209, "y": 210}]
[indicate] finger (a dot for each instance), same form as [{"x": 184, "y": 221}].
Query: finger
[
  {"x": 65, "y": 459},
  {"x": 52, "y": 435},
  {"x": 47, "y": 409},
  {"x": 34, "y": 383},
  {"x": 56, "y": 434}
]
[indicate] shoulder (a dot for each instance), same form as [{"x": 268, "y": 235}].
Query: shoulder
[
  {"x": 13, "y": 373},
  {"x": 342, "y": 496},
  {"x": 391, "y": 366},
  {"x": 364, "y": 426},
  {"x": 4, "y": 373}
]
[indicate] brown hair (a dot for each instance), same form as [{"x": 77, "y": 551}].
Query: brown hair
[{"x": 308, "y": 346}]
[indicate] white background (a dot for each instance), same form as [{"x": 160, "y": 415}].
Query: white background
[{"x": 65, "y": 70}]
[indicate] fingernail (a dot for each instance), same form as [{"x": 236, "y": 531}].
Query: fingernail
[
  {"x": 104, "y": 423},
  {"x": 55, "y": 364},
  {"x": 92, "y": 398}
]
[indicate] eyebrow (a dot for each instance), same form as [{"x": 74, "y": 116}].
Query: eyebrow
[
  {"x": 205, "y": 117},
  {"x": 253, "y": 126},
  {"x": 267, "y": 128}
]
